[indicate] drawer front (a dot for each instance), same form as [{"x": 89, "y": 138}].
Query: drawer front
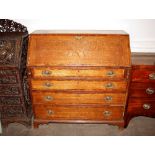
[
  {"x": 78, "y": 85},
  {"x": 143, "y": 75},
  {"x": 142, "y": 90},
  {"x": 10, "y": 100},
  {"x": 12, "y": 111},
  {"x": 9, "y": 90},
  {"x": 141, "y": 106},
  {"x": 8, "y": 79},
  {"x": 7, "y": 72},
  {"x": 78, "y": 113},
  {"x": 75, "y": 99},
  {"x": 101, "y": 73}
]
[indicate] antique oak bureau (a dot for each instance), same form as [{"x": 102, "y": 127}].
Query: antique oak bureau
[
  {"x": 14, "y": 98},
  {"x": 79, "y": 76}
]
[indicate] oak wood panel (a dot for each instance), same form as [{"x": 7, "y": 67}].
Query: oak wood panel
[
  {"x": 47, "y": 72},
  {"x": 78, "y": 112},
  {"x": 78, "y": 85},
  {"x": 76, "y": 99},
  {"x": 78, "y": 50}
]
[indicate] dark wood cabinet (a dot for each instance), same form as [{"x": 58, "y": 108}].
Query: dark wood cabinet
[
  {"x": 14, "y": 93},
  {"x": 141, "y": 101}
]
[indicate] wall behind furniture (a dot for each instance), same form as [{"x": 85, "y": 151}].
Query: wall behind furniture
[{"x": 142, "y": 31}]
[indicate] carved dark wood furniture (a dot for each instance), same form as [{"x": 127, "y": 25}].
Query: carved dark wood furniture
[
  {"x": 79, "y": 76},
  {"x": 142, "y": 87},
  {"x": 14, "y": 96}
]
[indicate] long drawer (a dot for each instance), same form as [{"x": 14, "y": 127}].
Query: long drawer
[
  {"x": 9, "y": 90},
  {"x": 47, "y": 112},
  {"x": 142, "y": 89},
  {"x": 78, "y": 85},
  {"x": 10, "y": 100},
  {"x": 78, "y": 72},
  {"x": 77, "y": 98},
  {"x": 140, "y": 106},
  {"x": 143, "y": 73}
]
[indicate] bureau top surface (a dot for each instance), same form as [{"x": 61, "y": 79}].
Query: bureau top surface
[
  {"x": 79, "y": 48},
  {"x": 140, "y": 58},
  {"x": 102, "y": 32}
]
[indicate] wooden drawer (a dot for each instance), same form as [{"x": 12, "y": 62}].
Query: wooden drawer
[
  {"x": 7, "y": 72},
  {"x": 75, "y": 99},
  {"x": 8, "y": 80},
  {"x": 9, "y": 90},
  {"x": 141, "y": 106},
  {"x": 78, "y": 112},
  {"x": 78, "y": 85},
  {"x": 143, "y": 75},
  {"x": 142, "y": 90},
  {"x": 12, "y": 111},
  {"x": 10, "y": 100},
  {"x": 79, "y": 72}
]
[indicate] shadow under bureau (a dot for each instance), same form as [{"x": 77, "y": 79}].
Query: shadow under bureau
[{"x": 79, "y": 76}]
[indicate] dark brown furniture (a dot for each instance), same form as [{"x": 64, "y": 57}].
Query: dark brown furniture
[
  {"x": 141, "y": 100},
  {"x": 14, "y": 96},
  {"x": 79, "y": 76}
]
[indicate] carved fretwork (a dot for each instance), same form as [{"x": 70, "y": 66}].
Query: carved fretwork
[
  {"x": 9, "y": 100},
  {"x": 9, "y": 90},
  {"x": 7, "y": 52},
  {"x": 7, "y": 25}
]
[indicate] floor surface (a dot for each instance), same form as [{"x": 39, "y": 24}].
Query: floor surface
[{"x": 137, "y": 127}]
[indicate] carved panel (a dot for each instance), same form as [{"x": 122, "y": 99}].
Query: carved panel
[
  {"x": 7, "y": 72},
  {"x": 13, "y": 111},
  {"x": 9, "y": 100},
  {"x": 7, "y": 52},
  {"x": 8, "y": 79},
  {"x": 9, "y": 90}
]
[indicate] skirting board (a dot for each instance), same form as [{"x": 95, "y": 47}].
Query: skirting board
[{"x": 143, "y": 46}]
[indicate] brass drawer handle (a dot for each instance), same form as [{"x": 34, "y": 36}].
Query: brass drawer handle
[
  {"x": 110, "y": 73},
  {"x": 108, "y": 98},
  {"x": 109, "y": 85},
  {"x": 150, "y": 91},
  {"x": 146, "y": 106},
  {"x": 48, "y": 98},
  {"x": 48, "y": 84},
  {"x": 107, "y": 113},
  {"x": 46, "y": 72},
  {"x": 50, "y": 112},
  {"x": 152, "y": 76}
]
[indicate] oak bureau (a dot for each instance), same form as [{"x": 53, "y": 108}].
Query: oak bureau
[
  {"x": 79, "y": 76},
  {"x": 14, "y": 96}
]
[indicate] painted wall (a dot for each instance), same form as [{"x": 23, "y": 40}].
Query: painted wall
[{"x": 142, "y": 32}]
